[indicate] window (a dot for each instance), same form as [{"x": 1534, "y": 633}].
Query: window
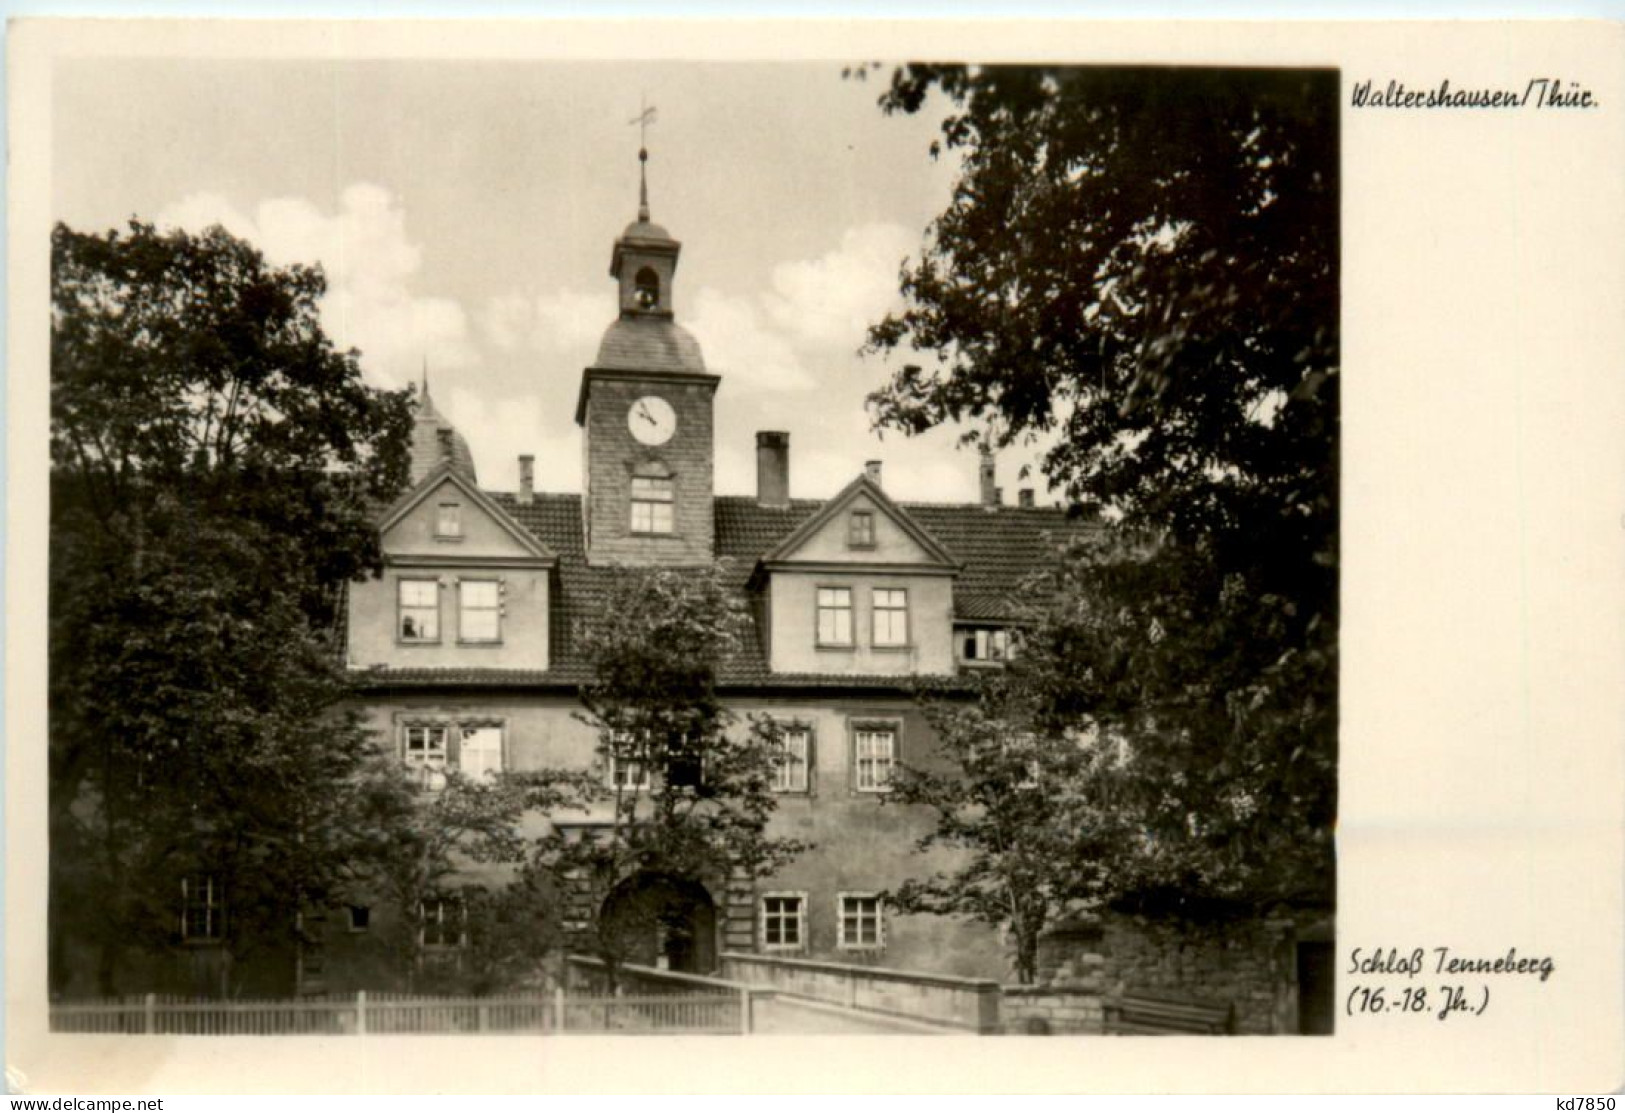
[
  {"x": 651, "y": 504},
  {"x": 203, "y": 914},
  {"x": 783, "y": 921},
  {"x": 431, "y": 749},
  {"x": 860, "y": 530},
  {"x": 834, "y": 616},
  {"x": 479, "y": 611},
  {"x": 874, "y": 751},
  {"x": 440, "y": 923},
  {"x": 624, "y": 764},
  {"x": 627, "y": 774},
  {"x": 890, "y": 616},
  {"x": 420, "y": 610},
  {"x": 427, "y": 755},
  {"x": 790, "y": 775},
  {"x": 984, "y": 643},
  {"x": 448, "y": 522},
  {"x": 360, "y": 917},
  {"x": 1014, "y": 759},
  {"x": 685, "y": 771},
  {"x": 479, "y": 752},
  {"x": 862, "y": 922}
]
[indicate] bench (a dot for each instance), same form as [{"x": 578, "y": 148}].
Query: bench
[{"x": 1139, "y": 1014}]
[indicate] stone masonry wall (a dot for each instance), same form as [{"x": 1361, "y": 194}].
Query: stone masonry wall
[
  {"x": 1030, "y": 1010},
  {"x": 612, "y": 456},
  {"x": 1250, "y": 964}
]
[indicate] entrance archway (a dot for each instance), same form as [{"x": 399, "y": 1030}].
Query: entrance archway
[{"x": 663, "y": 920}]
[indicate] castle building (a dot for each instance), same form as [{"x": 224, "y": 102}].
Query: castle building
[{"x": 463, "y": 650}]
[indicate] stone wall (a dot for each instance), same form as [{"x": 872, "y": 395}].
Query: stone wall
[
  {"x": 971, "y": 1004},
  {"x": 1248, "y": 963},
  {"x": 1038, "y": 1010}
]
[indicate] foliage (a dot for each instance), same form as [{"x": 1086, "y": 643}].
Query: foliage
[
  {"x": 1226, "y": 708},
  {"x": 513, "y": 932},
  {"x": 429, "y": 842},
  {"x": 214, "y": 466},
  {"x": 695, "y": 796},
  {"x": 1028, "y": 809},
  {"x": 1139, "y": 267}
]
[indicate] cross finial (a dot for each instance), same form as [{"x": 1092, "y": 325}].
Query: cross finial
[{"x": 643, "y": 119}]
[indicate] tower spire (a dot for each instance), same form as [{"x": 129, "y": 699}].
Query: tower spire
[
  {"x": 643, "y": 119},
  {"x": 643, "y": 184},
  {"x": 425, "y": 378}
]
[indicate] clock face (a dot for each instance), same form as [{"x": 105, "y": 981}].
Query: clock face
[{"x": 652, "y": 420}]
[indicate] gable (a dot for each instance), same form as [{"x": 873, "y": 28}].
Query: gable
[
  {"x": 889, "y": 536},
  {"x": 484, "y": 531}
]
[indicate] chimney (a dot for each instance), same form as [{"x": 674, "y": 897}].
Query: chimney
[
  {"x": 1024, "y": 498},
  {"x": 990, "y": 493},
  {"x": 998, "y": 495},
  {"x": 443, "y": 435},
  {"x": 772, "y": 468},
  {"x": 871, "y": 468},
  {"x": 527, "y": 479}
]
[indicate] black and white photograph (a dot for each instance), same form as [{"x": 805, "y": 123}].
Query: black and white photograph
[{"x": 543, "y": 546}]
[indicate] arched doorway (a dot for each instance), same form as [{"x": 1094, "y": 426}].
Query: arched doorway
[{"x": 663, "y": 920}]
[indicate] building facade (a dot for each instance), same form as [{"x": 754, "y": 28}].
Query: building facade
[{"x": 463, "y": 647}]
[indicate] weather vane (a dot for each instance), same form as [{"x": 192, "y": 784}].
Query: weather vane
[{"x": 643, "y": 119}]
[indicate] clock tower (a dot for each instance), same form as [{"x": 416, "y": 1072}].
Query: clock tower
[{"x": 645, "y": 411}]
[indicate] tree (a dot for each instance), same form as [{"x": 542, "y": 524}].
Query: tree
[
  {"x": 215, "y": 466},
  {"x": 1140, "y": 266},
  {"x": 509, "y": 926},
  {"x": 1026, "y": 807},
  {"x": 689, "y": 790}
]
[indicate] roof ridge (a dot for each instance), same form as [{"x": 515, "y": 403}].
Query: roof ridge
[{"x": 752, "y": 502}]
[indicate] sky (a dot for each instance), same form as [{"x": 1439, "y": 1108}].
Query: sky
[{"x": 464, "y": 212}]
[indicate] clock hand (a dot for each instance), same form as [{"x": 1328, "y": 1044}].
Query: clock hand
[{"x": 644, "y": 414}]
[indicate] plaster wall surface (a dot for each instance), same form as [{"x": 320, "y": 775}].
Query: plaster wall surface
[
  {"x": 481, "y": 537},
  {"x": 374, "y": 620},
  {"x": 793, "y": 624},
  {"x": 860, "y": 843},
  {"x": 892, "y": 544}
]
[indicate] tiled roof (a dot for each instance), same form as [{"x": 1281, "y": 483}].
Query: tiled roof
[
  {"x": 649, "y": 344},
  {"x": 427, "y": 451},
  {"x": 378, "y": 679},
  {"x": 998, "y": 548}
]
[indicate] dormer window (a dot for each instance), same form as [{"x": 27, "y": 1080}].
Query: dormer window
[
  {"x": 448, "y": 521},
  {"x": 646, "y": 289},
  {"x": 419, "y": 610},
  {"x": 860, "y": 530},
  {"x": 889, "y": 610},
  {"x": 984, "y": 644},
  {"x": 479, "y": 611},
  {"x": 835, "y": 616}
]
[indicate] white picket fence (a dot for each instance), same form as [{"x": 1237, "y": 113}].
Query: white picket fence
[{"x": 400, "y": 1014}]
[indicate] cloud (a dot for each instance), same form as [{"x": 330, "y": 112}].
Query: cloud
[
  {"x": 832, "y": 300},
  {"x": 501, "y": 429},
  {"x": 739, "y": 341},
  {"x": 371, "y": 266},
  {"x": 565, "y": 321},
  {"x": 806, "y": 324}
]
